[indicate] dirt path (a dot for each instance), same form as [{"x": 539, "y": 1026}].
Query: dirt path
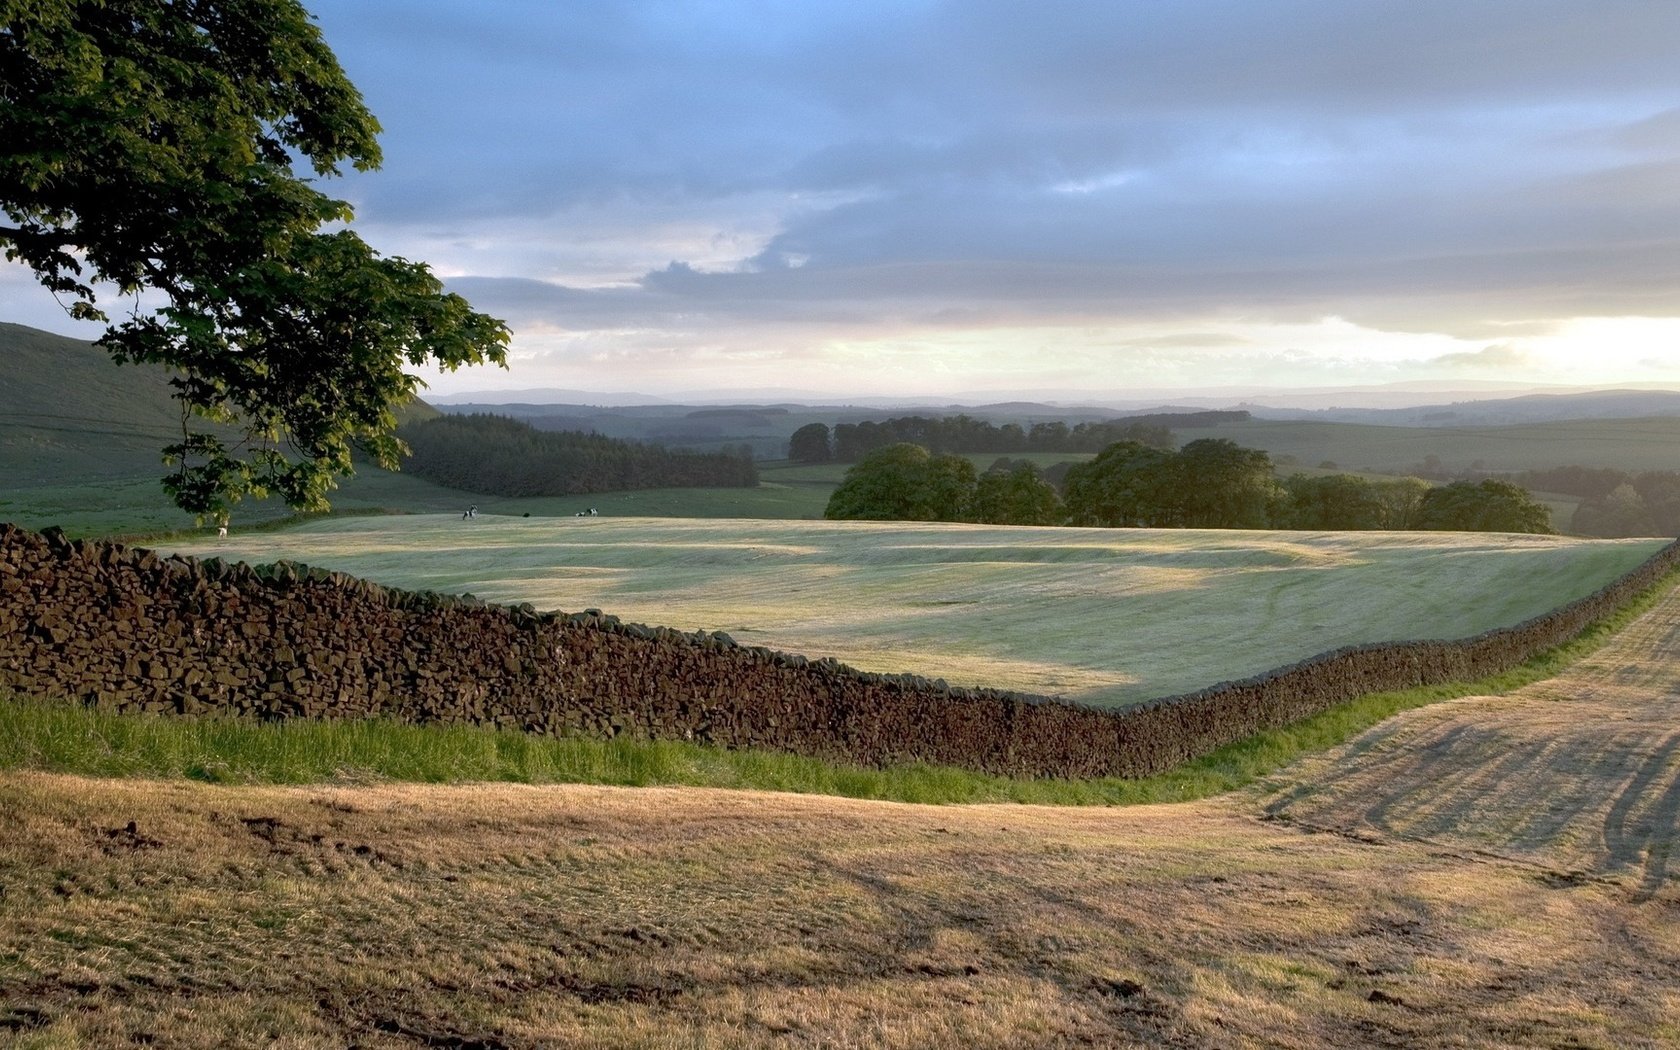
[
  {"x": 1581, "y": 772},
  {"x": 1485, "y": 873}
]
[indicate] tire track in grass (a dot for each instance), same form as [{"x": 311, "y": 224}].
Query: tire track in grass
[
  {"x": 1628, "y": 844},
  {"x": 1579, "y": 773}
]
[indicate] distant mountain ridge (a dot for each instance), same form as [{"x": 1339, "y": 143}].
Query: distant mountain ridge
[
  {"x": 68, "y": 411},
  {"x": 1527, "y": 408}
]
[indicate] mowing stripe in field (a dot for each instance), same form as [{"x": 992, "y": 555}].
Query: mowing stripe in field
[{"x": 1101, "y": 616}]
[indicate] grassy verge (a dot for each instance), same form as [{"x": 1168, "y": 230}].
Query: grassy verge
[{"x": 69, "y": 738}]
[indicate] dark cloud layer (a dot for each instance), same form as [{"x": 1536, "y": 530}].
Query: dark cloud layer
[{"x": 1420, "y": 165}]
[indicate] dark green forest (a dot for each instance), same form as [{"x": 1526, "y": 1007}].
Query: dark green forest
[
  {"x": 851, "y": 442},
  {"x": 498, "y": 456}
]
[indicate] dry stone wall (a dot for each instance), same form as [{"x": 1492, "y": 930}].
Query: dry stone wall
[{"x": 127, "y": 629}]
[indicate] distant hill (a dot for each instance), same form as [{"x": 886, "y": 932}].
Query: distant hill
[
  {"x": 69, "y": 413},
  {"x": 1530, "y": 408},
  {"x": 766, "y": 428}
]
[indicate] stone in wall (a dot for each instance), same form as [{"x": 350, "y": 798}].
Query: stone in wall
[{"x": 129, "y": 630}]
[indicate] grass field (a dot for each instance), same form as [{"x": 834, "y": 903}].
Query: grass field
[
  {"x": 1487, "y": 873},
  {"x": 133, "y": 503},
  {"x": 1108, "y": 617},
  {"x": 1627, "y": 444}
]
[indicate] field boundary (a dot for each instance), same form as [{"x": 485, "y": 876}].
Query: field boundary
[{"x": 126, "y": 629}]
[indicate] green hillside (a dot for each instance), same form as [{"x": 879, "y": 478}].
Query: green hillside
[
  {"x": 81, "y": 439},
  {"x": 68, "y": 411},
  {"x": 1626, "y": 444}
]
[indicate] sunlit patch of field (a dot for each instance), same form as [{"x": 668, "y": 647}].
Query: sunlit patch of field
[{"x": 1102, "y": 616}]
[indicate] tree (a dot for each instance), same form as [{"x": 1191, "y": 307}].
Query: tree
[
  {"x": 1215, "y": 483},
  {"x": 153, "y": 146},
  {"x": 1402, "y": 501},
  {"x": 810, "y": 444},
  {"x": 904, "y": 482},
  {"x": 1618, "y": 513},
  {"x": 1017, "y": 495},
  {"x": 1124, "y": 487},
  {"x": 1660, "y": 489},
  {"x": 1331, "y": 502},
  {"x": 1486, "y": 506}
]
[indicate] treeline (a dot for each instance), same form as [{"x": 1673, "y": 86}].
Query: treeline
[
  {"x": 1614, "y": 503},
  {"x": 851, "y": 442},
  {"x": 498, "y": 456},
  {"x": 1212, "y": 483}
]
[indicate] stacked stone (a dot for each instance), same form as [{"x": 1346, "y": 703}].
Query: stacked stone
[{"x": 129, "y": 630}]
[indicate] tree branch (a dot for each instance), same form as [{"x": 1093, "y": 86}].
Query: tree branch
[{"x": 49, "y": 240}]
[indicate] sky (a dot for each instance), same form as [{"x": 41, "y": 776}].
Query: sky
[{"x": 1066, "y": 199}]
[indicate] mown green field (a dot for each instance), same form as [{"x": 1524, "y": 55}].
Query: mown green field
[
  {"x": 135, "y": 505},
  {"x": 1626, "y": 444},
  {"x": 1109, "y": 617}
]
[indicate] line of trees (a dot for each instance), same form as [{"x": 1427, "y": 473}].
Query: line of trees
[
  {"x": 851, "y": 442},
  {"x": 499, "y": 456},
  {"x": 1614, "y": 503},
  {"x": 1212, "y": 483}
]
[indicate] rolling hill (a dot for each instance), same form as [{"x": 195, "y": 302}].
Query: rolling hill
[
  {"x": 80, "y": 441},
  {"x": 1636, "y": 444},
  {"x": 68, "y": 411}
]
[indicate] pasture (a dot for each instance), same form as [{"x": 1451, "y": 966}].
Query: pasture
[
  {"x": 1626, "y": 444},
  {"x": 140, "y": 912},
  {"x": 132, "y": 503},
  {"x": 1106, "y": 617}
]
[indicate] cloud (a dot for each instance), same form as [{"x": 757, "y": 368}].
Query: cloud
[
  {"x": 787, "y": 174},
  {"x": 1494, "y": 358}
]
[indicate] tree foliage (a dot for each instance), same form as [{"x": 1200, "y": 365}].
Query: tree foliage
[
  {"x": 962, "y": 433},
  {"x": 498, "y": 456},
  {"x": 1614, "y": 503},
  {"x": 1016, "y": 495},
  {"x": 1215, "y": 483},
  {"x": 904, "y": 482},
  {"x": 811, "y": 444},
  {"x": 1330, "y": 502},
  {"x": 1211, "y": 483},
  {"x": 1486, "y": 506},
  {"x": 155, "y": 147},
  {"x": 1124, "y": 487}
]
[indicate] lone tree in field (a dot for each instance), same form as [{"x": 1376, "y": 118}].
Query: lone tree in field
[{"x": 151, "y": 147}]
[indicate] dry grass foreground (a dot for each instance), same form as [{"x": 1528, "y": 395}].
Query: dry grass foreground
[{"x": 1486, "y": 872}]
